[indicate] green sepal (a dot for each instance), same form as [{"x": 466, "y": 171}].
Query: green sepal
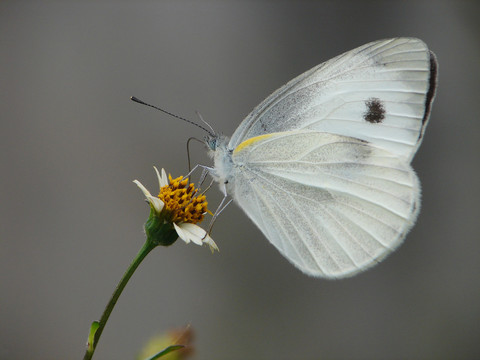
[
  {"x": 91, "y": 336},
  {"x": 158, "y": 231},
  {"x": 166, "y": 351}
]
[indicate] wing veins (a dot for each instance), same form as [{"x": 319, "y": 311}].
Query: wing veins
[
  {"x": 367, "y": 176},
  {"x": 288, "y": 91},
  {"x": 353, "y": 238},
  {"x": 404, "y": 115},
  {"x": 327, "y": 248},
  {"x": 340, "y": 200},
  {"x": 350, "y": 181},
  {"x": 353, "y": 81},
  {"x": 327, "y": 163},
  {"x": 317, "y": 236},
  {"x": 360, "y": 122},
  {"x": 393, "y": 140},
  {"x": 365, "y": 230},
  {"x": 371, "y": 216},
  {"x": 381, "y": 90},
  {"x": 280, "y": 224},
  {"x": 333, "y": 110},
  {"x": 339, "y": 242},
  {"x": 324, "y": 189}
]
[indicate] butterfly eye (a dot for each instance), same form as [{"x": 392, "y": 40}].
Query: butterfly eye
[{"x": 211, "y": 142}]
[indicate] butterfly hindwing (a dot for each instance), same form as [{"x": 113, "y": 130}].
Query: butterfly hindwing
[{"x": 333, "y": 205}]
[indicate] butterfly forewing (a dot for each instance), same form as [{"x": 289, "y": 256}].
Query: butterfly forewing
[{"x": 380, "y": 92}]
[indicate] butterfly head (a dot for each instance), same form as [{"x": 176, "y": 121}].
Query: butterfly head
[
  {"x": 222, "y": 157},
  {"x": 211, "y": 141}
]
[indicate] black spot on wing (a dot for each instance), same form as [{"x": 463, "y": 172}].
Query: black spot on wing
[{"x": 375, "y": 112}]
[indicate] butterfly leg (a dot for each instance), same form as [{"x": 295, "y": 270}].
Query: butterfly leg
[{"x": 220, "y": 208}]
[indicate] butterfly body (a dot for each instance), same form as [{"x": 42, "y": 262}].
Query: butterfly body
[{"x": 322, "y": 166}]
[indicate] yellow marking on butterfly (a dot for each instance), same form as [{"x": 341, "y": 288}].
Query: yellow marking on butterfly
[{"x": 250, "y": 141}]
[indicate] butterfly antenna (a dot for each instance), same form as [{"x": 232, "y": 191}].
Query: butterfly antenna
[
  {"x": 137, "y": 100},
  {"x": 206, "y": 123}
]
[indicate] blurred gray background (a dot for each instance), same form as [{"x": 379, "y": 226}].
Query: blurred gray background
[{"x": 71, "y": 218}]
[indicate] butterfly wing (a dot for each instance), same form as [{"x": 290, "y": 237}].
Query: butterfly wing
[
  {"x": 332, "y": 205},
  {"x": 380, "y": 92}
]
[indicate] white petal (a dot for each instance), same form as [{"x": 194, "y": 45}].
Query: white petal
[
  {"x": 209, "y": 241},
  {"x": 181, "y": 234},
  {"x": 156, "y": 202},
  {"x": 158, "y": 177},
  {"x": 191, "y": 232},
  {"x": 194, "y": 229},
  {"x": 164, "y": 177},
  {"x": 144, "y": 190},
  {"x": 195, "y": 233}
]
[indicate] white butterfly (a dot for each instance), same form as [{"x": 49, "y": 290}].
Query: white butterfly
[{"x": 322, "y": 166}]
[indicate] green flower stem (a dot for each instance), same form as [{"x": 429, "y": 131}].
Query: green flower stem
[{"x": 146, "y": 248}]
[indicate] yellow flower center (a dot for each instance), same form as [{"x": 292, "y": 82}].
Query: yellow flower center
[{"x": 182, "y": 202}]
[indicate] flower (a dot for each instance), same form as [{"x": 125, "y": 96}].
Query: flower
[{"x": 175, "y": 212}]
